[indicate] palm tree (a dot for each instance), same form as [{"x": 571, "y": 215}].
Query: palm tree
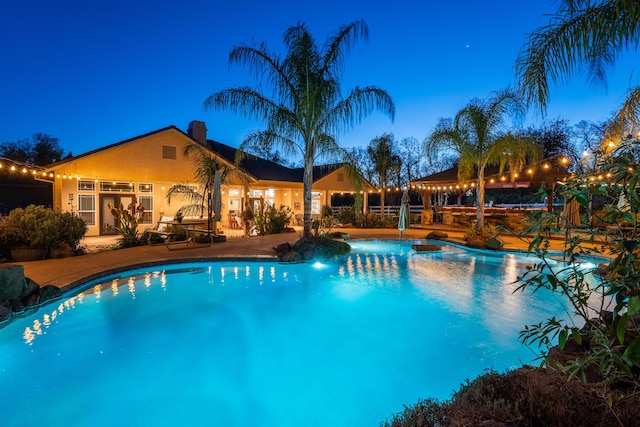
[
  {"x": 381, "y": 151},
  {"x": 583, "y": 34},
  {"x": 205, "y": 164},
  {"x": 475, "y": 134},
  {"x": 299, "y": 98}
]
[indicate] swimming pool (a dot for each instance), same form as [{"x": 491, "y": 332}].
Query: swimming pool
[{"x": 242, "y": 343}]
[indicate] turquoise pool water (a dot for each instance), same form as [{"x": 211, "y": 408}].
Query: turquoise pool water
[{"x": 241, "y": 343}]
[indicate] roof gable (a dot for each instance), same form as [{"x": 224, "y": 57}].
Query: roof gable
[{"x": 171, "y": 128}]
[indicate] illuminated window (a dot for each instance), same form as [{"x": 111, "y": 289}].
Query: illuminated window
[
  {"x": 145, "y": 187},
  {"x": 87, "y": 208},
  {"x": 115, "y": 187},
  {"x": 86, "y": 185},
  {"x": 147, "y": 203}
]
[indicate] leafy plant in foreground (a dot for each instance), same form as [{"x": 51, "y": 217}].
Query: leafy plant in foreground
[{"x": 603, "y": 314}]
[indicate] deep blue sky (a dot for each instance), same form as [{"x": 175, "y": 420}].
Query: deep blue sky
[{"x": 94, "y": 73}]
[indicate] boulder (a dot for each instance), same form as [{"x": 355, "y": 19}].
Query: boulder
[
  {"x": 5, "y": 311},
  {"x": 320, "y": 248},
  {"x": 30, "y": 288},
  {"x": 63, "y": 250},
  {"x": 11, "y": 282},
  {"x": 282, "y": 249},
  {"x": 437, "y": 235},
  {"x": 494, "y": 243},
  {"x": 292, "y": 256},
  {"x": 16, "y": 305},
  {"x": 477, "y": 242},
  {"x": 31, "y": 300},
  {"x": 49, "y": 292}
]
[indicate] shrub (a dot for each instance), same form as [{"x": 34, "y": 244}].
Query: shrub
[
  {"x": 346, "y": 215},
  {"x": 272, "y": 220},
  {"x": 368, "y": 220},
  {"x": 525, "y": 397},
  {"x": 486, "y": 232},
  {"x": 40, "y": 226}
]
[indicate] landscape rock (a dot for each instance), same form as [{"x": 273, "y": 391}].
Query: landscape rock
[
  {"x": 477, "y": 242},
  {"x": 63, "y": 250},
  {"x": 282, "y": 249},
  {"x": 315, "y": 248},
  {"x": 5, "y": 311},
  {"x": 494, "y": 243},
  {"x": 11, "y": 281},
  {"x": 31, "y": 300},
  {"x": 30, "y": 288},
  {"x": 292, "y": 256},
  {"x": 49, "y": 292},
  {"x": 16, "y": 305},
  {"x": 437, "y": 235}
]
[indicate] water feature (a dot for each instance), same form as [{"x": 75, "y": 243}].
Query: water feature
[{"x": 242, "y": 343}]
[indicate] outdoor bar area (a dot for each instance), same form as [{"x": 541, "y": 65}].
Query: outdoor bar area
[
  {"x": 446, "y": 199},
  {"x": 512, "y": 218}
]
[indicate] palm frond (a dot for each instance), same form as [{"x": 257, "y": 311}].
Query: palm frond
[
  {"x": 581, "y": 34},
  {"x": 628, "y": 117}
]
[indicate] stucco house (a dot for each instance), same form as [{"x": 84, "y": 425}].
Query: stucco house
[{"x": 146, "y": 167}]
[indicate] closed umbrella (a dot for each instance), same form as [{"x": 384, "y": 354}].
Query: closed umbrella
[
  {"x": 403, "y": 220},
  {"x": 571, "y": 213},
  {"x": 217, "y": 199}
]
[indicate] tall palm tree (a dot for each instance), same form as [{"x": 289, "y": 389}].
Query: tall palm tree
[
  {"x": 476, "y": 134},
  {"x": 583, "y": 35},
  {"x": 381, "y": 151},
  {"x": 299, "y": 98}
]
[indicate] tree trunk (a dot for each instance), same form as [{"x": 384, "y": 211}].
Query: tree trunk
[
  {"x": 382, "y": 199},
  {"x": 480, "y": 211},
  {"x": 307, "y": 182}
]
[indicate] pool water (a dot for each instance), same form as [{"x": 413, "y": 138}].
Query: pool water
[{"x": 243, "y": 343}]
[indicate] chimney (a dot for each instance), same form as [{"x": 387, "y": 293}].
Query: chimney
[{"x": 198, "y": 131}]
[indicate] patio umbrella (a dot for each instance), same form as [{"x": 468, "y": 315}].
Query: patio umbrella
[
  {"x": 216, "y": 201},
  {"x": 571, "y": 213},
  {"x": 403, "y": 219}
]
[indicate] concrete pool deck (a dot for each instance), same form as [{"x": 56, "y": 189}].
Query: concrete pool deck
[{"x": 67, "y": 273}]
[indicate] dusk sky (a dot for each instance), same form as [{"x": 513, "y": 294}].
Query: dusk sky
[{"x": 95, "y": 73}]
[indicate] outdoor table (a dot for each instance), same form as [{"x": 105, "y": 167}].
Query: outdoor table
[{"x": 191, "y": 227}]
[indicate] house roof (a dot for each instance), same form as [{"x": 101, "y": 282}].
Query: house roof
[
  {"x": 267, "y": 170},
  {"x": 547, "y": 171},
  {"x": 106, "y": 147},
  {"x": 259, "y": 168}
]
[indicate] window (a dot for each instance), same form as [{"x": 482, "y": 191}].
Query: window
[
  {"x": 168, "y": 152},
  {"x": 234, "y": 204},
  {"x": 86, "y": 185},
  {"x": 87, "y": 208},
  {"x": 147, "y": 203},
  {"x": 315, "y": 206},
  {"x": 116, "y": 187},
  {"x": 340, "y": 177},
  {"x": 145, "y": 187}
]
